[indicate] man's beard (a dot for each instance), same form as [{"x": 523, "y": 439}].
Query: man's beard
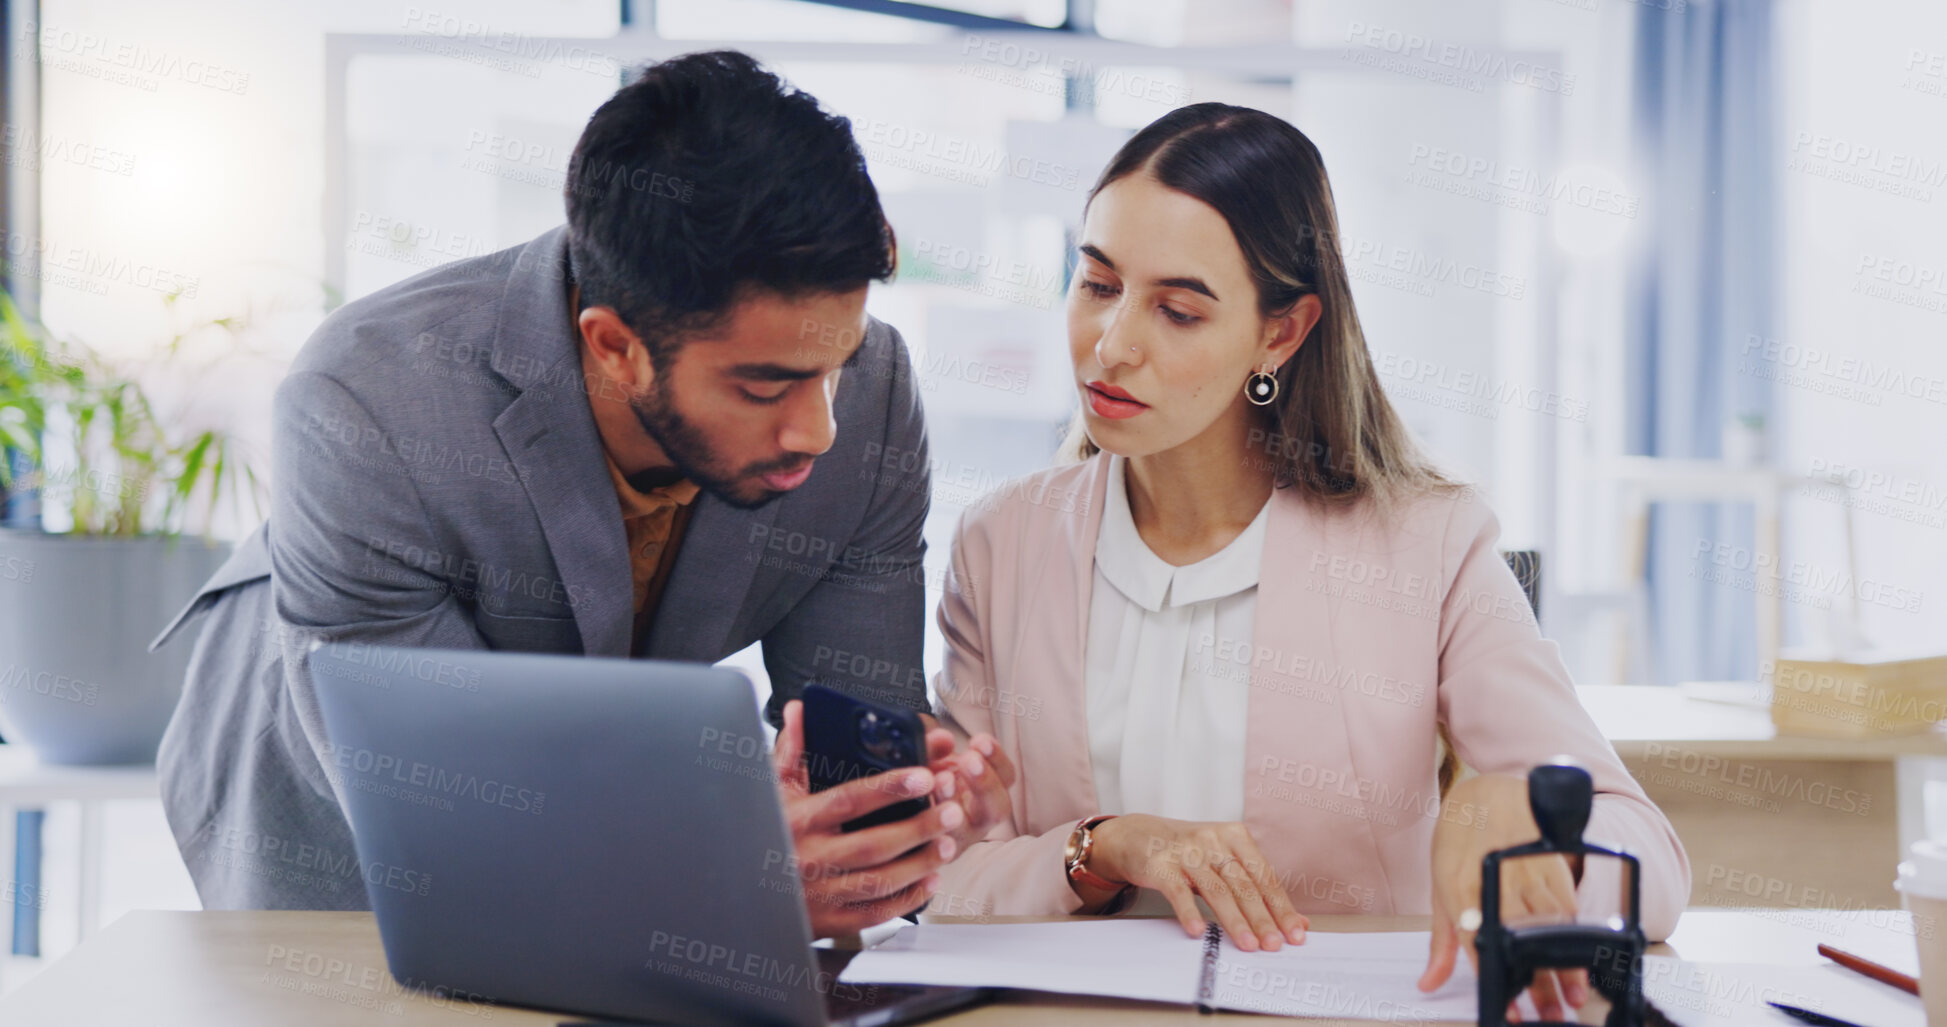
[{"x": 686, "y": 445}]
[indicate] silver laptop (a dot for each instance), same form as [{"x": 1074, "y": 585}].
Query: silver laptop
[{"x": 597, "y": 836}]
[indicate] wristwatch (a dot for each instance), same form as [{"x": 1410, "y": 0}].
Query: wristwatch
[{"x": 1075, "y": 857}]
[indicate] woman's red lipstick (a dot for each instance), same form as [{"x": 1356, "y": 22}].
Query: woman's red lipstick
[{"x": 1113, "y": 403}]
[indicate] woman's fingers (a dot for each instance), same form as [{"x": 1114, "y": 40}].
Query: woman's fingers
[
  {"x": 1546, "y": 991},
  {"x": 1441, "y": 953},
  {"x": 1575, "y": 987},
  {"x": 1464, "y": 893},
  {"x": 985, "y": 796},
  {"x": 996, "y": 758},
  {"x": 1252, "y": 902},
  {"x": 1184, "y": 903},
  {"x": 1558, "y": 899},
  {"x": 1544, "y": 889},
  {"x": 1217, "y": 895},
  {"x": 939, "y": 744},
  {"x": 1550, "y": 886},
  {"x": 1292, "y": 923},
  {"x": 1561, "y": 901}
]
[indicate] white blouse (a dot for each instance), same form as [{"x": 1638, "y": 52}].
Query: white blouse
[{"x": 1166, "y": 714}]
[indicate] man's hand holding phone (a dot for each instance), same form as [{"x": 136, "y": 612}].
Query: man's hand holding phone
[{"x": 855, "y": 879}]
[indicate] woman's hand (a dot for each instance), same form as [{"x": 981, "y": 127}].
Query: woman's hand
[
  {"x": 977, "y": 776},
  {"x": 1219, "y": 861},
  {"x": 1537, "y": 886}
]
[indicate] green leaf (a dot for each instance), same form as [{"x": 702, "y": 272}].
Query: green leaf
[
  {"x": 131, "y": 475},
  {"x": 193, "y": 464},
  {"x": 216, "y": 480}
]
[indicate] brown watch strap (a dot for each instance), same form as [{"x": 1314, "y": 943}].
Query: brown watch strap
[{"x": 1078, "y": 865}]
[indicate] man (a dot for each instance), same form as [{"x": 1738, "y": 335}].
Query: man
[{"x": 658, "y": 431}]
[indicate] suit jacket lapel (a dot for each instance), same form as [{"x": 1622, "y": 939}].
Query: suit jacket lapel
[
  {"x": 550, "y": 437},
  {"x": 552, "y": 443}
]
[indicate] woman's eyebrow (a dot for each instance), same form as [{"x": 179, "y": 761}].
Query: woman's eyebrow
[
  {"x": 1100, "y": 258},
  {"x": 1182, "y": 282},
  {"x": 1192, "y": 284}
]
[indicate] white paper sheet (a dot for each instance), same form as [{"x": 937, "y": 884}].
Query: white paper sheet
[
  {"x": 1371, "y": 976},
  {"x": 1723, "y": 994},
  {"x": 1352, "y": 976}
]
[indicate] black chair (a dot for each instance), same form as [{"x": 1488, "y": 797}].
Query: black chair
[{"x": 1526, "y": 565}]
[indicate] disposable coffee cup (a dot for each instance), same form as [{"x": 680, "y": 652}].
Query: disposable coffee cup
[{"x": 1923, "y": 891}]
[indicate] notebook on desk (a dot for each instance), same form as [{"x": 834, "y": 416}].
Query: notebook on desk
[{"x": 1368, "y": 976}]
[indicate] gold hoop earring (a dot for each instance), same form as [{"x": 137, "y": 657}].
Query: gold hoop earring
[{"x": 1261, "y": 388}]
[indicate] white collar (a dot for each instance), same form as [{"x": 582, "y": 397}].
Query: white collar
[{"x": 1147, "y": 580}]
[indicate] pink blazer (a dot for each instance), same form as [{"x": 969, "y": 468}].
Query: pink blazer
[{"x": 1367, "y": 634}]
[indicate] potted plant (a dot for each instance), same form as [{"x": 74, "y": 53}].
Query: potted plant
[{"x": 78, "y": 607}]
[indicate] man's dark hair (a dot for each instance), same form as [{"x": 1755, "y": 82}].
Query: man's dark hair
[{"x": 709, "y": 176}]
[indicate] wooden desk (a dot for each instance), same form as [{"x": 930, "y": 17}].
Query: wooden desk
[
  {"x": 1771, "y": 820},
  {"x": 171, "y": 969},
  {"x": 1639, "y": 717}
]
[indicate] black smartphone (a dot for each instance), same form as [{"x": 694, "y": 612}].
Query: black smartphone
[{"x": 847, "y": 738}]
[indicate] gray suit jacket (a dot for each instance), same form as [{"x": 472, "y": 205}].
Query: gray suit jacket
[{"x": 440, "y": 483}]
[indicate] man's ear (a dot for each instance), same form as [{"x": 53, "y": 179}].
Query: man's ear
[
  {"x": 1284, "y": 334},
  {"x": 620, "y": 356}
]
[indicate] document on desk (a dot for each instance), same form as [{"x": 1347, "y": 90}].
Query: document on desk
[
  {"x": 1737, "y": 994},
  {"x": 1351, "y": 976}
]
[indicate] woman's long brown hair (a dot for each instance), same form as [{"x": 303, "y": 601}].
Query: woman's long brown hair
[{"x": 1331, "y": 434}]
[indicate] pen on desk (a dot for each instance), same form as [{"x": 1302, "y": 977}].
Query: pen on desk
[
  {"x": 1882, "y": 974},
  {"x": 1809, "y": 1016}
]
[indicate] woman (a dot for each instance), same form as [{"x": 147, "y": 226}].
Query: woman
[{"x": 1219, "y": 648}]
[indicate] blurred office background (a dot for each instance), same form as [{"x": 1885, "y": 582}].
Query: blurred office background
[{"x": 1666, "y": 279}]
